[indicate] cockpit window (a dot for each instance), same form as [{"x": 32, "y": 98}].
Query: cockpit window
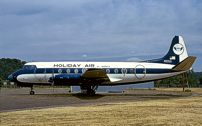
[{"x": 29, "y": 67}]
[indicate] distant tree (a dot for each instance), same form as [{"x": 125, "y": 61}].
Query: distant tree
[
  {"x": 190, "y": 78},
  {"x": 176, "y": 79},
  {"x": 200, "y": 79},
  {"x": 172, "y": 80},
  {"x": 8, "y": 66},
  {"x": 1, "y": 81}
]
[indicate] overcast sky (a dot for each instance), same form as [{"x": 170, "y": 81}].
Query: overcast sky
[{"x": 99, "y": 30}]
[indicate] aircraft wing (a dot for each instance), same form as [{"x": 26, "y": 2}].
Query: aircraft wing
[
  {"x": 95, "y": 73},
  {"x": 98, "y": 75}
]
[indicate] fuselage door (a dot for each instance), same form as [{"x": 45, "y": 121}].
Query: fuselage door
[
  {"x": 140, "y": 71},
  {"x": 40, "y": 73}
]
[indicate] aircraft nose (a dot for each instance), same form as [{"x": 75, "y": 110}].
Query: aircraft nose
[{"x": 10, "y": 77}]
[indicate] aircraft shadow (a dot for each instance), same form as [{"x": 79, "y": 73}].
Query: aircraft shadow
[{"x": 83, "y": 96}]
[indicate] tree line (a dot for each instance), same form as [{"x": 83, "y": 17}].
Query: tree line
[
  {"x": 8, "y": 66},
  {"x": 191, "y": 78}
]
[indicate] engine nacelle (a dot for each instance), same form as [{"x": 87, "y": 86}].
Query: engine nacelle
[{"x": 65, "y": 77}]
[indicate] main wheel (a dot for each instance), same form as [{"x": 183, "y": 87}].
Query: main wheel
[
  {"x": 91, "y": 92},
  {"x": 31, "y": 92}
]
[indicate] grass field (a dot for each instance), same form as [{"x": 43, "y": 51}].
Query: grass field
[{"x": 181, "y": 111}]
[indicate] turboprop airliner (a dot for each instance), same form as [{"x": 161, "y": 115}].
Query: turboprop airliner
[{"x": 90, "y": 75}]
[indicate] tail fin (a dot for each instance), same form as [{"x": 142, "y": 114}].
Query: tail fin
[{"x": 176, "y": 53}]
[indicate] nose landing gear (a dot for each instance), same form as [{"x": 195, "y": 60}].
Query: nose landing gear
[{"x": 31, "y": 92}]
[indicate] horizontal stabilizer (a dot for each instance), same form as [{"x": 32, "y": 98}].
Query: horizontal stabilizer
[{"x": 185, "y": 64}]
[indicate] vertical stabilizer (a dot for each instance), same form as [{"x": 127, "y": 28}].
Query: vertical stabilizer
[
  {"x": 176, "y": 53},
  {"x": 182, "y": 52}
]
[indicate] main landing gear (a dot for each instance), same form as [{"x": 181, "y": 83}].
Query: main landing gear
[
  {"x": 31, "y": 92},
  {"x": 91, "y": 91}
]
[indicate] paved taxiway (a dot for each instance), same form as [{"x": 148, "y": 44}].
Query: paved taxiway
[{"x": 19, "y": 99}]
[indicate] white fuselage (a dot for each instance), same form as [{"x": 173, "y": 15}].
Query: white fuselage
[{"x": 117, "y": 72}]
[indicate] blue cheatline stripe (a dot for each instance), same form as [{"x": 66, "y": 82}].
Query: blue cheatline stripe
[{"x": 112, "y": 71}]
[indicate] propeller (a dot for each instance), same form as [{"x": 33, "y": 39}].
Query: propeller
[{"x": 52, "y": 79}]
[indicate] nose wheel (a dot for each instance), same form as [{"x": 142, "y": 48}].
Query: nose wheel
[{"x": 32, "y": 92}]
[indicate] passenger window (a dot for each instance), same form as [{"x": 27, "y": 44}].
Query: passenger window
[
  {"x": 107, "y": 70},
  {"x": 60, "y": 71},
  {"x": 68, "y": 71},
  {"x": 116, "y": 71},
  {"x": 84, "y": 70},
  {"x": 124, "y": 70},
  {"x": 76, "y": 71}
]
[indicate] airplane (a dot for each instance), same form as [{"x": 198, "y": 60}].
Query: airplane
[{"x": 90, "y": 75}]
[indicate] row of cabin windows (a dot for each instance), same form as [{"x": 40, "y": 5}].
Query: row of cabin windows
[{"x": 123, "y": 70}]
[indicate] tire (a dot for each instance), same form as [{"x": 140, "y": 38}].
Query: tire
[
  {"x": 91, "y": 92},
  {"x": 31, "y": 92}
]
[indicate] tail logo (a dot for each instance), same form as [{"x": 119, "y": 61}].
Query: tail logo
[{"x": 178, "y": 49}]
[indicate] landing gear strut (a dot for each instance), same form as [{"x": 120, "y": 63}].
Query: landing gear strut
[
  {"x": 91, "y": 91},
  {"x": 31, "y": 92}
]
